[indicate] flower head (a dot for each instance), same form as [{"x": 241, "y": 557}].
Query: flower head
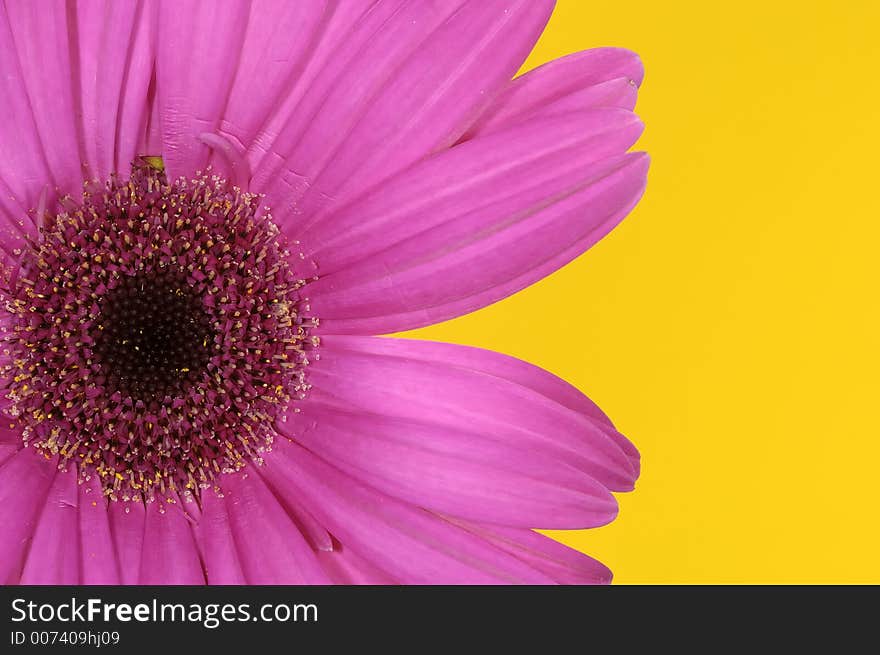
[{"x": 206, "y": 214}]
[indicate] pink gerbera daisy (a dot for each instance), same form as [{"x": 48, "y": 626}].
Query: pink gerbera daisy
[{"x": 207, "y": 209}]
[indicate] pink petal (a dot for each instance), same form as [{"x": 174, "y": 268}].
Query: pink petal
[
  {"x": 279, "y": 38},
  {"x": 54, "y": 556},
  {"x": 577, "y": 81},
  {"x": 563, "y": 564},
  {"x": 338, "y": 29},
  {"x": 99, "y": 565},
  {"x": 270, "y": 547},
  {"x": 40, "y": 33},
  {"x": 455, "y": 471},
  {"x": 524, "y": 166},
  {"x": 435, "y": 424},
  {"x": 8, "y": 450},
  {"x": 127, "y": 522},
  {"x": 74, "y": 88},
  {"x": 475, "y": 224},
  {"x": 169, "y": 555},
  {"x": 222, "y": 565},
  {"x": 115, "y": 57},
  {"x": 198, "y": 49},
  {"x": 10, "y": 431},
  {"x": 348, "y": 568},
  {"x": 505, "y": 367},
  {"x": 25, "y": 479},
  {"x": 412, "y": 545},
  {"x": 15, "y": 225},
  {"x": 24, "y": 169},
  {"x": 422, "y": 79},
  {"x": 315, "y": 533},
  {"x": 462, "y": 387},
  {"x": 355, "y": 58}
]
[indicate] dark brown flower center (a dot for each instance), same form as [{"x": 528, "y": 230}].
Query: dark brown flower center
[{"x": 153, "y": 337}]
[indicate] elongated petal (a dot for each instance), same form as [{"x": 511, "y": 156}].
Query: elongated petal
[
  {"x": 563, "y": 564},
  {"x": 421, "y": 80},
  {"x": 511, "y": 369},
  {"x": 137, "y": 119},
  {"x": 41, "y": 34},
  {"x": 24, "y": 482},
  {"x": 414, "y": 546},
  {"x": 270, "y": 547},
  {"x": 75, "y": 101},
  {"x": 99, "y": 565},
  {"x": 7, "y": 450},
  {"x": 340, "y": 27},
  {"x": 24, "y": 168},
  {"x": 279, "y": 37},
  {"x": 169, "y": 555},
  {"x": 197, "y": 54},
  {"x": 511, "y": 172},
  {"x": 10, "y": 432},
  {"x": 115, "y": 60},
  {"x": 356, "y": 58},
  {"x": 577, "y": 81},
  {"x": 465, "y": 388},
  {"x": 346, "y": 567},
  {"x": 53, "y": 557},
  {"x": 458, "y": 472},
  {"x": 315, "y": 534},
  {"x": 127, "y": 523},
  {"x": 469, "y": 389},
  {"x": 476, "y": 224},
  {"x": 222, "y": 565},
  {"x": 15, "y": 224},
  {"x": 440, "y": 426}
]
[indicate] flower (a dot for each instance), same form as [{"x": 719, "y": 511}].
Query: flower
[{"x": 208, "y": 212}]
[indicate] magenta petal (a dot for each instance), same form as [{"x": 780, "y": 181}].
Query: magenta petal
[
  {"x": 438, "y": 426},
  {"x": 423, "y": 78},
  {"x": 575, "y": 81},
  {"x": 15, "y": 225},
  {"x": 74, "y": 90},
  {"x": 507, "y": 368},
  {"x": 169, "y": 555},
  {"x": 270, "y": 547},
  {"x": 214, "y": 530},
  {"x": 10, "y": 432},
  {"x": 41, "y": 36},
  {"x": 24, "y": 482},
  {"x": 476, "y": 224},
  {"x": 54, "y": 557},
  {"x": 99, "y": 565},
  {"x": 356, "y": 59},
  {"x": 7, "y": 450},
  {"x": 476, "y": 183},
  {"x": 24, "y": 169},
  {"x": 278, "y": 40},
  {"x": 137, "y": 117},
  {"x": 114, "y": 53},
  {"x": 619, "y": 92},
  {"x": 348, "y": 568},
  {"x": 458, "y": 472},
  {"x": 340, "y": 32},
  {"x": 309, "y": 526},
  {"x": 127, "y": 522},
  {"x": 563, "y": 564},
  {"x": 412, "y": 545},
  {"x": 197, "y": 52}
]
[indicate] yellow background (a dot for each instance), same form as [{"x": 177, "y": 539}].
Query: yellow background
[{"x": 729, "y": 325}]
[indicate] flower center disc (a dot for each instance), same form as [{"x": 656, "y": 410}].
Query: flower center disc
[
  {"x": 156, "y": 331},
  {"x": 153, "y": 337}
]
